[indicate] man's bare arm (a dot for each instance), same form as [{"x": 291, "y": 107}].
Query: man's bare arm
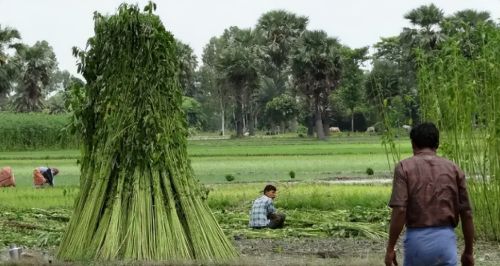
[
  {"x": 468, "y": 230},
  {"x": 398, "y": 218}
]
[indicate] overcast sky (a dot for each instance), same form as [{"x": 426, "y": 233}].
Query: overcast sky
[{"x": 68, "y": 23}]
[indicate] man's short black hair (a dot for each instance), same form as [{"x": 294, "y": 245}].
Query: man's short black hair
[
  {"x": 425, "y": 135},
  {"x": 269, "y": 188}
]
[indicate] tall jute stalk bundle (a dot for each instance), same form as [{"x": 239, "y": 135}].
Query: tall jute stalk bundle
[
  {"x": 138, "y": 198},
  {"x": 459, "y": 89}
]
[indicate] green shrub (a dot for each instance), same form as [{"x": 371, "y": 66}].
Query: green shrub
[
  {"x": 292, "y": 174},
  {"x": 369, "y": 171},
  {"x": 301, "y": 131},
  {"x": 229, "y": 178}
]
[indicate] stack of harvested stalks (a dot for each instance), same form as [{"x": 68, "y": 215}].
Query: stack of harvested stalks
[{"x": 139, "y": 199}]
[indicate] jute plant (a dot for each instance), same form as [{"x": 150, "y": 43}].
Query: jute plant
[
  {"x": 138, "y": 198},
  {"x": 460, "y": 91},
  {"x": 388, "y": 123}
]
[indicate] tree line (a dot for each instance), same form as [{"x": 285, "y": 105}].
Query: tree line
[
  {"x": 276, "y": 76},
  {"x": 29, "y": 76}
]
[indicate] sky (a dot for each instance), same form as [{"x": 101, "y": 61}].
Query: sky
[{"x": 356, "y": 23}]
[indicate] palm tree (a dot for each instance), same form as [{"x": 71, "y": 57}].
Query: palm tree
[
  {"x": 426, "y": 35},
  {"x": 7, "y": 36},
  {"x": 239, "y": 62},
  {"x": 467, "y": 26},
  {"x": 7, "y": 71},
  {"x": 279, "y": 31},
  {"x": 316, "y": 69},
  {"x": 37, "y": 66},
  {"x": 468, "y": 18}
]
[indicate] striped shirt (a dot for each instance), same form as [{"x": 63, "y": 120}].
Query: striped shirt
[{"x": 260, "y": 209}]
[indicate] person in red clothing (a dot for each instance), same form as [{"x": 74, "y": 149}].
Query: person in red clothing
[
  {"x": 429, "y": 196},
  {"x": 7, "y": 177}
]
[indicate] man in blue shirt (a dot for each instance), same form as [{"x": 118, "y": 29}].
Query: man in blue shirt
[{"x": 263, "y": 213}]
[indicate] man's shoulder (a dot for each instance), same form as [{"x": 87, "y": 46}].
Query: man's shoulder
[
  {"x": 265, "y": 200},
  {"x": 262, "y": 199},
  {"x": 416, "y": 160},
  {"x": 427, "y": 156},
  {"x": 407, "y": 161},
  {"x": 451, "y": 165},
  {"x": 445, "y": 160}
]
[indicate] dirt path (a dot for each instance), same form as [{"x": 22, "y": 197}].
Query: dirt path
[
  {"x": 356, "y": 181},
  {"x": 300, "y": 251},
  {"x": 311, "y": 251},
  {"x": 338, "y": 251}
]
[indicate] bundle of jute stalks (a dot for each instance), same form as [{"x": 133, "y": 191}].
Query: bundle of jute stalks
[{"x": 138, "y": 197}]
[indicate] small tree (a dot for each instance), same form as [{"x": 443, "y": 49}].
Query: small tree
[
  {"x": 282, "y": 109},
  {"x": 187, "y": 66},
  {"x": 194, "y": 114},
  {"x": 352, "y": 79},
  {"x": 212, "y": 81}
]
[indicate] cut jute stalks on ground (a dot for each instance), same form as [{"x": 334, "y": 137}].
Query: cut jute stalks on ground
[{"x": 138, "y": 198}]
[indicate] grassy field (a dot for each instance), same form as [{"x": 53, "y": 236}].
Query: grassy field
[
  {"x": 319, "y": 215},
  {"x": 326, "y": 224},
  {"x": 313, "y": 210},
  {"x": 324, "y": 197},
  {"x": 248, "y": 160}
]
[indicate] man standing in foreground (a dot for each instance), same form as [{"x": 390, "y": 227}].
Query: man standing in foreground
[
  {"x": 429, "y": 195},
  {"x": 263, "y": 213}
]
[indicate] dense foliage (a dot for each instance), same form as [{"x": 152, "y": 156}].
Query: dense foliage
[
  {"x": 242, "y": 70},
  {"x": 459, "y": 90},
  {"x": 35, "y": 131}
]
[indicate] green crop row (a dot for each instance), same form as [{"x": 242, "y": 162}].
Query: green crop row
[{"x": 32, "y": 131}]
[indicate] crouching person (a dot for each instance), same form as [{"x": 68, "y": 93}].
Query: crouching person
[
  {"x": 263, "y": 213},
  {"x": 7, "y": 177},
  {"x": 44, "y": 176}
]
